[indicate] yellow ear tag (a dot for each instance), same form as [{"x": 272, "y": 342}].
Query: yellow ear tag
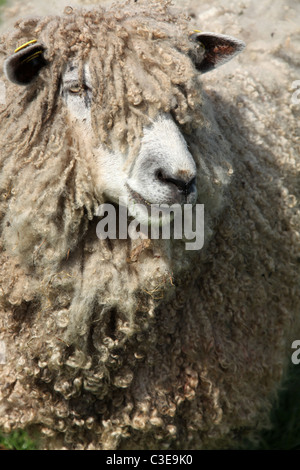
[
  {"x": 197, "y": 31},
  {"x": 25, "y": 45},
  {"x": 33, "y": 56}
]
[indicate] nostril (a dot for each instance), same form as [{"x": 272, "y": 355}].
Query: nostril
[
  {"x": 190, "y": 186},
  {"x": 181, "y": 185},
  {"x": 160, "y": 176}
]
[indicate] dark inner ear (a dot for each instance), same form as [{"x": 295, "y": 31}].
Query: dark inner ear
[
  {"x": 23, "y": 66},
  {"x": 216, "y": 50}
]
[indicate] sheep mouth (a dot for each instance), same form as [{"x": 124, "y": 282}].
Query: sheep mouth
[
  {"x": 153, "y": 209},
  {"x": 137, "y": 198}
]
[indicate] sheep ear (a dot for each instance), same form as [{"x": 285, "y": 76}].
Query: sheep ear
[
  {"x": 24, "y": 65},
  {"x": 215, "y": 50}
]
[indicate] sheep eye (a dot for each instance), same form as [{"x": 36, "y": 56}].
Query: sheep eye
[
  {"x": 75, "y": 89},
  {"x": 76, "y": 93}
]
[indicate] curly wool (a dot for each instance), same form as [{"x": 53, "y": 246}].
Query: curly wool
[{"x": 177, "y": 349}]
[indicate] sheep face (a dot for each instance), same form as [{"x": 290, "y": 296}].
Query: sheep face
[
  {"x": 155, "y": 165},
  {"x": 164, "y": 171}
]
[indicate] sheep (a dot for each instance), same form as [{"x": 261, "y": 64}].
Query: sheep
[{"x": 140, "y": 344}]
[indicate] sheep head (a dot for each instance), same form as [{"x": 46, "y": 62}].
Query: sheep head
[{"x": 149, "y": 168}]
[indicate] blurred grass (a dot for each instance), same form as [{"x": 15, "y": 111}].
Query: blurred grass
[
  {"x": 16, "y": 440},
  {"x": 285, "y": 417}
]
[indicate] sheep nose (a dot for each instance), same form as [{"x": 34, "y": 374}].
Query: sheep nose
[{"x": 184, "y": 185}]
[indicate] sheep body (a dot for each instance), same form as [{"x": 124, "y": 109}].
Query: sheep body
[{"x": 176, "y": 349}]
